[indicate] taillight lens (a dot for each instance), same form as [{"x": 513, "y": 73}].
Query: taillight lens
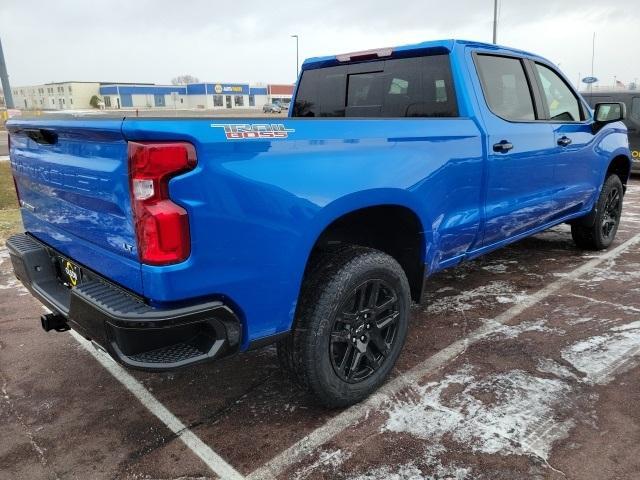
[{"x": 162, "y": 227}]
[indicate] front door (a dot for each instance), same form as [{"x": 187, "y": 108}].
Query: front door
[
  {"x": 519, "y": 183},
  {"x": 228, "y": 100},
  {"x": 634, "y": 132},
  {"x": 576, "y": 165}
]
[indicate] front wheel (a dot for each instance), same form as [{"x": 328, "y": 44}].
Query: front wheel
[
  {"x": 608, "y": 210},
  {"x": 351, "y": 325}
]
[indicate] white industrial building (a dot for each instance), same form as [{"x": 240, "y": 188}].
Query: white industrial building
[{"x": 55, "y": 96}]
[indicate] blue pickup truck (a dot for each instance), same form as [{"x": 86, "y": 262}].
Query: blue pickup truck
[{"x": 171, "y": 242}]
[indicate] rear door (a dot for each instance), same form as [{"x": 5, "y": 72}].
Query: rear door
[
  {"x": 72, "y": 180},
  {"x": 519, "y": 185}
]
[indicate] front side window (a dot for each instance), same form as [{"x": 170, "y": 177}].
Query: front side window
[
  {"x": 563, "y": 104},
  {"x": 395, "y": 88},
  {"x": 505, "y": 87}
]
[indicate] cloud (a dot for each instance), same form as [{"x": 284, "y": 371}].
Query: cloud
[{"x": 155, "y": 40}]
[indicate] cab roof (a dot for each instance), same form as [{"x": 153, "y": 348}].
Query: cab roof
[{"x": 433, "y": 47}]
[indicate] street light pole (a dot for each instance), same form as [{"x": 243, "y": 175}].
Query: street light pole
[
  {"x": 4, "y": 79},
  {"x": 495, "y": 21},
  {"x": 297, "y": 55}
]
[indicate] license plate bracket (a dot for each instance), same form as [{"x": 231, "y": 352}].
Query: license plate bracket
[{"x": 70, "y": 273}]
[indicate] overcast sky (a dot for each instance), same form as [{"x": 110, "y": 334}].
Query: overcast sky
[{"x": 249, "y": 41}]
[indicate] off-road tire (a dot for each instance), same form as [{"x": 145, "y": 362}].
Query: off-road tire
[
  {"x": 333, "y": 276},
  {"x": 595, "y": 237}
]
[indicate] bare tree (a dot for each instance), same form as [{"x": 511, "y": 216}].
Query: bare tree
[{"x": 184, "y": 80}]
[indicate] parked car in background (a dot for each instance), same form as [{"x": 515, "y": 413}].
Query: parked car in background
[
  {"x": 175, "y": 241},
  {"x": 631, "y": 99},
  {"x": 271, "y": 108},
  {"x": 284, "y": 106}
]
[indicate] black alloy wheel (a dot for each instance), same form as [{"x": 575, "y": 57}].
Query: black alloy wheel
[
  {"x": 364, "y": 331},
  {"x": 611, "y": 213}
]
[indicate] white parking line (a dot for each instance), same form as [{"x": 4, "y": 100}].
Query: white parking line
[
  {"x": 190, "y": 439},
  {"x": 349, "y": 417}
]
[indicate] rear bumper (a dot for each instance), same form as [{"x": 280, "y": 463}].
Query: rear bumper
[
  {"x": 134, "y": 333},
  {"x": 635, "y": 165}
]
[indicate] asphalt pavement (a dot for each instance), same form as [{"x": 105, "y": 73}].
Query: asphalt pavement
[{"x": 522, "y": 364}]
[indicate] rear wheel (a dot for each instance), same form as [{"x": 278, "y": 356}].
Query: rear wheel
[
  {"x": 607, "y": 218},
  {"x": 351, "y": 325}
]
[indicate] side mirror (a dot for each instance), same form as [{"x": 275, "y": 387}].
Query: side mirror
[{"x": 609, "y": 113}]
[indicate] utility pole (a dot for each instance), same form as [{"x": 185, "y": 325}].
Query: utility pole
[
  {"x": 4, "y": 77},
  {"x": 297, "y": 56},
  {"x": 495, "y": 21}
]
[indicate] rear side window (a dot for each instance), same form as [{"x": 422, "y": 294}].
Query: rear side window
[
  {"x": 562, "y": 102},
  {"x": 505, "y": 87},
  {"x": 406, "y": 87}
]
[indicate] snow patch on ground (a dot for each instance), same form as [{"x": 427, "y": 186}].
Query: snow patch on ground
[
  {"x": 630, "y": 272},
  {"x": 516, "y": 421},
  {"x": 411, "y": 472},
  {"x": 547, "y": 365},
  {"x": 332, "y": 459},
  {"x": 495, "y": 268},
  {"x": 508, "y": 413},
  {"x": 14, "y": 284},
  {"x": 557, "y": 234},
  {"x": 600, "y": 357},
  {"x": 513, "y": 331},
  {"x": 487, "y": 294}
]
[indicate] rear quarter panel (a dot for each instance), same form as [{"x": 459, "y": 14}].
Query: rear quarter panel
[{"x": 257, "y": 206}]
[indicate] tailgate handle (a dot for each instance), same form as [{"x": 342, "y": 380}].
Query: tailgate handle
[{"x": 42, "y": 136}]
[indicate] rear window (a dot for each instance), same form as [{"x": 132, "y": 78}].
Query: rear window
[{"x": 405, "y": 87}]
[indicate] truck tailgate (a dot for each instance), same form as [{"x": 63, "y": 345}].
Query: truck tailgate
[{"x": 72, "y": 180}]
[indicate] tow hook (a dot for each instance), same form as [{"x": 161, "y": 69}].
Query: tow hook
[{"x": 53, "y": 321}]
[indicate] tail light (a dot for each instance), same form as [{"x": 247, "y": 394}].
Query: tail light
[{"x": 162, "y": 227}]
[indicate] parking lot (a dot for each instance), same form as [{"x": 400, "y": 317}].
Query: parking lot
[{"x": 522, "y": 364}]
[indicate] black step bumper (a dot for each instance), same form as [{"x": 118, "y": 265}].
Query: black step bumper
[{"x": 133, "y": 332}]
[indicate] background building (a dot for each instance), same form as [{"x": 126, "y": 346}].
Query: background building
[
  {"x": 56, "y": 96},
  {"x": 281, "y": 94},
  {"x": 118, "y": 96},
  {"x": 114, "y": 96}
]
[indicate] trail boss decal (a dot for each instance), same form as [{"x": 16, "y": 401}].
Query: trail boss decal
[{"x": 240, "y": 131}]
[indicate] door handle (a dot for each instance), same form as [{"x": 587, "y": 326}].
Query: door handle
[
  {"x": 564, "y": 141},
  {"x": 502, "y": 147}
]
